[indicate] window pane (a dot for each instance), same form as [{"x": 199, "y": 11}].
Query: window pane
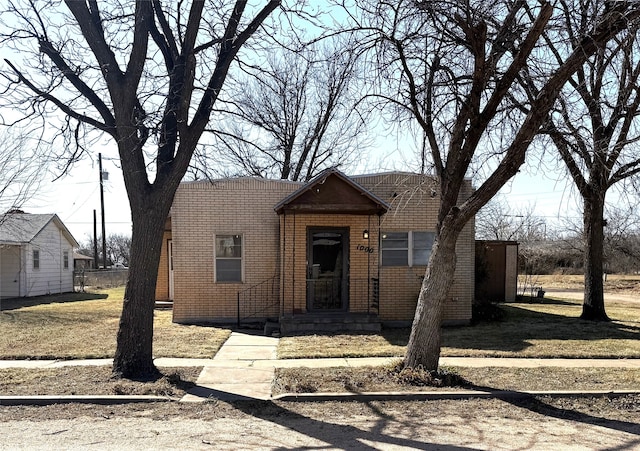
[
  {"x": 395, "y": 248},
  {"x": 228, "y": 270},
  {"x": 421, "y": 256},
  {"x": 394, "y": 258},
  {"x": 422, "y": 244},
  {"x": 422, "y": 240},
  {"x": 228, "y": 258},
  {"x": 395, "y": 240},
  {"x": 229, "y": 246}
]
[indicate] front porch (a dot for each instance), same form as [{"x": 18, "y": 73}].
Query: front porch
[
  {"x": 329, "y": 273},
  {"x": 262, "y": 304}
]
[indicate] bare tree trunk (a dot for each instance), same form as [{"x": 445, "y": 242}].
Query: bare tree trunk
[
  {"x": 134, "y": 352},
  {"x": 423, "y": 348},
  {"x": 593, "y": 305}
]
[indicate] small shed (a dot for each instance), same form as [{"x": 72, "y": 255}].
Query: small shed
[
  {"x": 81, "y": 261},
  {"x": 496, "y": 271}
]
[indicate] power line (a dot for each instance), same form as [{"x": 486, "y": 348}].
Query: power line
[{"x": 89, "y": 222}]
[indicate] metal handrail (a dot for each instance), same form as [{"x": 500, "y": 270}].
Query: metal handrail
[{"x": 257, "y": 299}]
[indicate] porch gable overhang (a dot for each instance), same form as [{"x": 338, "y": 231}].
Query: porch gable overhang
[{"x": 332, "y": 192}]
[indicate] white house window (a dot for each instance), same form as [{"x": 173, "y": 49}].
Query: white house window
[
  {"x": 228, "y": 258},
  {"x": 65, "y": 259},
  {"x": 406, "y": 248},
  {"x": 36, "y": 259}
]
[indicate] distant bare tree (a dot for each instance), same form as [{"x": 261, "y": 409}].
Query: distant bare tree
[
  {"x": 596, "y": 128},
  {"x": 21, "y": 168},
  {"x": 621, "y": 252},
  {"x": 497, "y": 221},
  {"x": 293, "y": 118},
  {"x": 118, "y": 248},
  {"x": 622, "y": 239}
]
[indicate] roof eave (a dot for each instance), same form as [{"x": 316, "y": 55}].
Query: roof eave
[{"x": 281, "y": 206}]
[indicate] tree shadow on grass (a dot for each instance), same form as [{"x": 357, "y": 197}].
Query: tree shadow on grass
[
  {"x": 521, "y": 326},
  {"x": 546, "y": 301},
  {"x": 17, "y": 303},
  {"x": 396, "y": 336}
]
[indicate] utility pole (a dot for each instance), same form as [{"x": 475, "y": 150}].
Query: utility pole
[
  {"x": 104, "y": 236},
  {"x": 95, "y": 241}
]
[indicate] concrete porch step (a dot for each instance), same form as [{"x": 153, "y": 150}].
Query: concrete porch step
[{"x": 334, "y": 322}]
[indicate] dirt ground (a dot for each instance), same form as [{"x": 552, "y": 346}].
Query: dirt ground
[
  {"x": 617, "y": 288},
  {"x": 537, "y": 424}
]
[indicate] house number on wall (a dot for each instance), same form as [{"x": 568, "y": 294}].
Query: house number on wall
[{"x": 362, "y": 248}]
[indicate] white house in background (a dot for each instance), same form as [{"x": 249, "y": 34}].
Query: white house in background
[{"x": 36, "y": 255}]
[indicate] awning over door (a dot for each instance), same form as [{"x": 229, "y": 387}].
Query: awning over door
[{"x": 332, "y": 192}]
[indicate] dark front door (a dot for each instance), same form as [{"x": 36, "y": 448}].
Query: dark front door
[{"x": 327, "y": 269}]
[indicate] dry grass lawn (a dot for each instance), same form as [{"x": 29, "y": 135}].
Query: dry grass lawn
[
  {"x": 375, "y": 379},
  {"x": 84, "y": 325},
  {"x": 175, "y": 381},
  {"x": 91, "y": 380},
  {"x": 549, "y": 329}
]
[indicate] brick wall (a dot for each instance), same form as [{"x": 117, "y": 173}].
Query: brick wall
[
  {"x": 414, "y": 201},
  {"x": 200, "y": 211}
]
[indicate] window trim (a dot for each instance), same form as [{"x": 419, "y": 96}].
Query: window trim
[
  {"x": 65, "y": 260},
  {"x": 215, "y": 258},
  {"x": 35, "y": 263}
]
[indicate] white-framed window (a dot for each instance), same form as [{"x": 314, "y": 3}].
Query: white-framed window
[
  {"x": 228, "y": 258},
  {"x": 65, "y": 259},
  {"x": 36, "y": 259},
  {"x": 412, "y": 248}
]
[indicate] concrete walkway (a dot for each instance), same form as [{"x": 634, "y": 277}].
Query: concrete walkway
[
  {"x": 244, "y": 368},
  {"x": 232, "y": 375}
]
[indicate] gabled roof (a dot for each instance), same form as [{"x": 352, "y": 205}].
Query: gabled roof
[
  {"x": 22, "y": 228},
  {"x": 79, "y": 256},
  {"x": 332, "y": 192}
]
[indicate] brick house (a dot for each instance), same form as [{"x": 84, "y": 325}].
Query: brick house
[{"x": 336, "y": 252}]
